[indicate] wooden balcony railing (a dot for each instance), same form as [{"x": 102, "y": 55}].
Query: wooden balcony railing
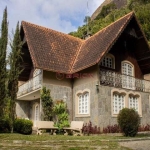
[
  {"x": 31, "y": 85},
  {"x": 111, "y": 78}
]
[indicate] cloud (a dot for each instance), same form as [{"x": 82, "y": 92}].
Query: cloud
[{"x": 60, "y": 15}]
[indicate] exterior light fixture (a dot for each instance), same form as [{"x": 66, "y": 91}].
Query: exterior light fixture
[
  {"x": 64, "y": 98},
  {"x": 97, "y": 87}
]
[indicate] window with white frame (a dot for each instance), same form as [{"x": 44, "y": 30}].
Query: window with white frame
[
  {"x": 118, "y": 102},
  {"x": 83, "y": 103},
  {"x": 128, "y": 80},
  {"x": 108, "y": 61},
  {"x": 133, "y": 102}
]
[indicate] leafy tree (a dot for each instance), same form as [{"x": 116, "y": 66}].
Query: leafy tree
[
  {"x": 3, "y": 73},
  {"x": 129, "y": 121},
  {"x": 47, "y": 104},
  {"x": 15, "y": 70},
  {"x": 110, "y": 14},
  {"x": 87, "y": 19}
]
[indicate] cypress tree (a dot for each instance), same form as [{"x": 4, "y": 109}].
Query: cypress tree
[
  {"x": 3, "y": 73},
  {"x": 15, "y": 70}
]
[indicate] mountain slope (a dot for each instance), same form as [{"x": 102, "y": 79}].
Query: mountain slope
[{"x": 119, "y": 4}]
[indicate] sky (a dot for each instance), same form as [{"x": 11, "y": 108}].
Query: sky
[{"x": 61, "y": 15}]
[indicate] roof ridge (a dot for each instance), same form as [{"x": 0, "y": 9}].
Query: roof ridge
[
  {"x": 42, "y": 27},
  {"x": 76, "y": 56}
]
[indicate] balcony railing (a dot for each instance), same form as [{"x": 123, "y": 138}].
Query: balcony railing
[
  {"x": 31, "y": 85},
  {"x": 111, "y": 78}
]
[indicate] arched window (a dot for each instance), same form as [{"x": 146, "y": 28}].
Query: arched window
[
  {"x": 134, "y": 102},
  {"x": 108, "y": 61},
  {"x": 127, "y": 68},
  {"x": 118, "y": 102},
  {"x": 128, "y": 80},
  {"x": 83, "y": 103}
]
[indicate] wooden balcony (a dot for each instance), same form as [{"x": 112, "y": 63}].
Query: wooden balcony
[
  {"x": 31, "y": 85},
  {"x": 114, "y": 79}
]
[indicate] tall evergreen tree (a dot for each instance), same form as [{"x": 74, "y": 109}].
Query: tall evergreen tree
[
  {"x": 15, "y": 70},
  {"x": 3, "y": 73}
]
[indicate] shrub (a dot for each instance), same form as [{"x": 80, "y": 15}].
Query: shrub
[
  {"x": 5, "y": 125},
  {"x": 144, "y": 128},
  {"x": 129, "y": 121},
  {"x": 112, "y": 129},
  {"x": 23, "y": 126},
  {"x": 89, "y": 129}
]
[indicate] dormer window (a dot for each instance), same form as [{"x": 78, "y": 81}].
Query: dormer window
[{"x": 108, "y": 61}]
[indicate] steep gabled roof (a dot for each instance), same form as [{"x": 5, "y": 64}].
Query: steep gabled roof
[
  {"x": 95, "y": 47},
  {"x": 49, "y": 49},
  {"x": 54, "y": 51}
]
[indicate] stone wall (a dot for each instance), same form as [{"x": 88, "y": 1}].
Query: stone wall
[
  {"x": 93, "y": 101},
  {"x": 100, "y": 104},
  {"x": 58, "y": 93},
  {"x": 23, "y": 109},
  {"x": 104, "y": 107}
]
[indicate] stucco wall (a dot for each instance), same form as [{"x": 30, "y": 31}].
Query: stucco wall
[
  {"x": 53, "y": 78},
  {"x": 87, "y": 75}
]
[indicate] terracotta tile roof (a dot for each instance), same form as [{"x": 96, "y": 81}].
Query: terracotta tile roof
[
  {"x": 55, "y": 51},
  {"x": 49, "y": 49},
  {"x": 95, "y": 47}
]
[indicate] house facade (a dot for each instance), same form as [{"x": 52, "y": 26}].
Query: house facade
[{"x": 96, "y": 77}]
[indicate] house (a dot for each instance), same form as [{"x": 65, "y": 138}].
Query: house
[{"x": 96, "y": 77}]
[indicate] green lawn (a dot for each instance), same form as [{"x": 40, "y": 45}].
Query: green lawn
[{"x": 61, "y": 142}]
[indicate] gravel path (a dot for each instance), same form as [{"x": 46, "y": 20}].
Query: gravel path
[{"x": 137, "y": 145}]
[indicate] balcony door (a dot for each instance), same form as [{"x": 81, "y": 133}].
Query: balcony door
[{"x": 128, "y": 80}]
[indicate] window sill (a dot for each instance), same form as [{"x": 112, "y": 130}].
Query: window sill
[
  {"x": 116, "y": 115},
  {"x": 82, "y": 115}
]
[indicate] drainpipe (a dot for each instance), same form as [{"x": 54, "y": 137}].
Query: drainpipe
[
  {"x": 72, "y": 99},
  {"x": 40, "y": 95}
]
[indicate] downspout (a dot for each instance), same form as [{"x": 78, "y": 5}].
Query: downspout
[
  {"x": 72, "y": 99},
  {"x": 40, "y": 95}
]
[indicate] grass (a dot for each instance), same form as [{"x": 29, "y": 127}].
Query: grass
[{"x": 61, "y": 142}]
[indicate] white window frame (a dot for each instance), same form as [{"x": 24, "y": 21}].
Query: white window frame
[
  {"x": 128, "y": 80},
  {"x": 119, "y": 104},
  {"x": 106, "y": 64},
  {"x": 134, "y": 102},
  {"x": 79, "y": 99},
  {"x": 83, "y": 100},
  {"x": 126, "y": 94}
]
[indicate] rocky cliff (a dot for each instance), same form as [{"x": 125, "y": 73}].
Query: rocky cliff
[{"x": 118, "y": 3}]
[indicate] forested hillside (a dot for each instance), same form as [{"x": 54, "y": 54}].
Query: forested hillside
[{"x": 110, "y": 13}]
